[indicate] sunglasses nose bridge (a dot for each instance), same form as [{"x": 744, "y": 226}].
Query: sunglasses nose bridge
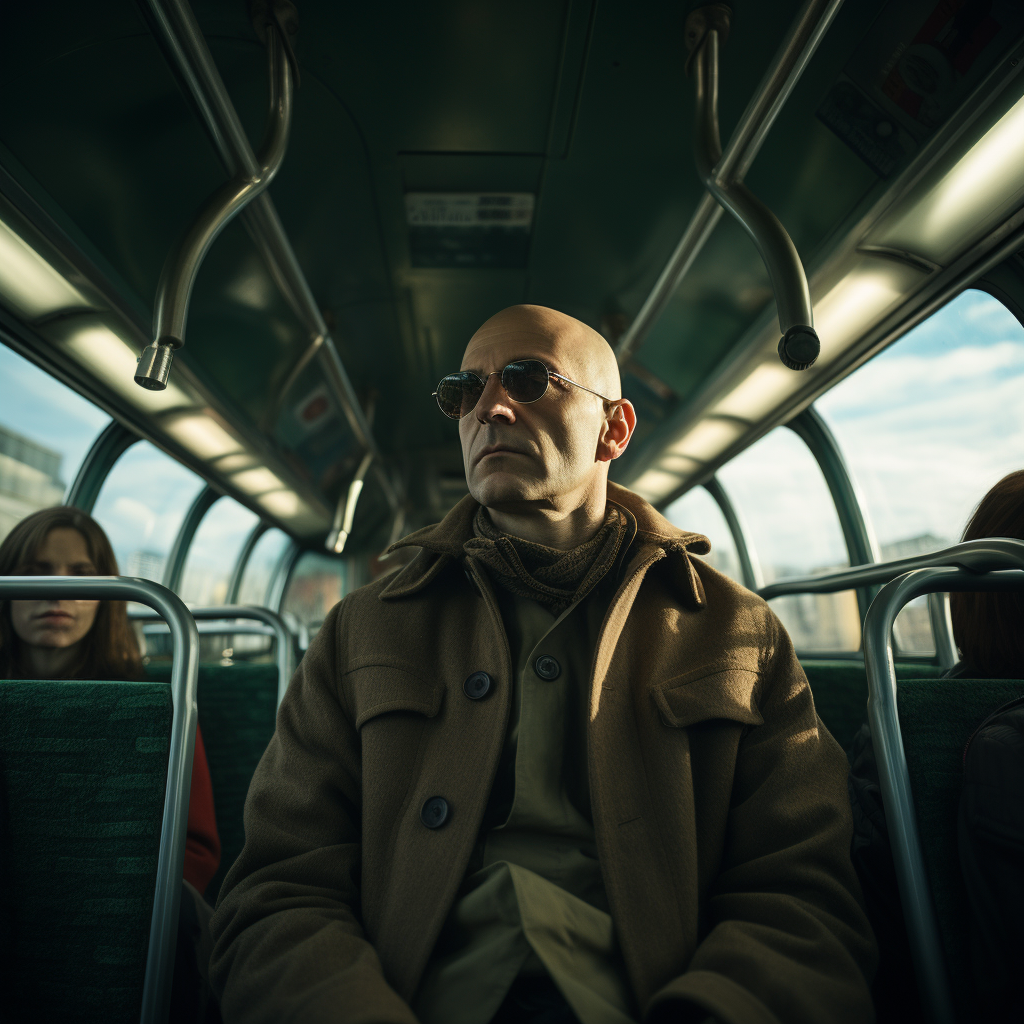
[{"x": 493, "y": 397}]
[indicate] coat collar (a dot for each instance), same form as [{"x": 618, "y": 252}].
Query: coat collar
[{"x": 655, "y": 538}]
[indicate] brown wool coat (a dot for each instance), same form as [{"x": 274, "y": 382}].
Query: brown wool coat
[{"x": 719, "y": 801}]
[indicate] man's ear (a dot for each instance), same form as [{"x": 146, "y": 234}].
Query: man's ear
[{"x": 618, "y": 429}]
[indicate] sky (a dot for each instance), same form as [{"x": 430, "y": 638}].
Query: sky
[
  {"x": 143, "y": 501},
  {"x": 929, "y": 425}
]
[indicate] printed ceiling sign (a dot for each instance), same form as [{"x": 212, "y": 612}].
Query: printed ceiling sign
[{"x": 469, "y": 229}]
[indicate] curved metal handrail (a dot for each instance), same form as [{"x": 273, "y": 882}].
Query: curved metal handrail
[
  {"x": 799, "y": 346},
  {"x": 156, "y": 989},
  {"x": 897, "y": 797},
  {"x": 184, "y": 260},
  {"x": 226, "y": 612},
  {"x": 977, "y": 556}
]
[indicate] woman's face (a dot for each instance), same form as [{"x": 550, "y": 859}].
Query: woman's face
[{"x": 56, "y": 623}]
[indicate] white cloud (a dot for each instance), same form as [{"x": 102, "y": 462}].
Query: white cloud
[{"x": 913, "y": 379}]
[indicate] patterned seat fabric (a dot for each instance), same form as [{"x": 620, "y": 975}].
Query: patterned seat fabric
[
  {"x": 237, "y": 712},
  {"x": 83, "y": 766}
]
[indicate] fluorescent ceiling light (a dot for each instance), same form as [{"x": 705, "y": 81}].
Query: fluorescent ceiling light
[
  {"x": 257, "y": 481},
  {"x": 233, "y": 463},
  {"x": 858, "y": 302},
  {"x": 28, "y": 283},
  {"x": 672, "y": 462},
  {"x": 985, "y": 185},
  {"x": 655, "y": 484},
  {"x": 201, "y": 435},
  {"x": 285, "y": 504},
  {"x": 708, "y": 439},
  {"x": 760, "y": 393},
  {"x": 111, "y": 360}
]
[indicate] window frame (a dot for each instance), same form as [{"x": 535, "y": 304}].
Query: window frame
[{"x": 110, "y": 444}]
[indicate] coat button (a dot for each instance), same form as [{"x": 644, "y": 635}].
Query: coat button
[
  {"x": 434, "y": 812},
  {"x": 477, "y": 685},
  {"x": 547, "y": 668}
]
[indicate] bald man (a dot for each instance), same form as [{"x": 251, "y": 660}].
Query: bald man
[{"x": 556, "y": 770}]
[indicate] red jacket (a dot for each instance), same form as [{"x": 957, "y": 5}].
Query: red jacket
[{"x": 202, "y": 846}]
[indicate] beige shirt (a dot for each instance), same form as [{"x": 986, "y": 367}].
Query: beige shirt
[{"x": 533, "y": 900}]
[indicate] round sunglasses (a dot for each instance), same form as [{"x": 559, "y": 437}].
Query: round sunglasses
[{"x": 524, "y": 381}]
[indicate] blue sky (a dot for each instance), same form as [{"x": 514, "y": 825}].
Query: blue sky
[{"x": 929, "y": 425}]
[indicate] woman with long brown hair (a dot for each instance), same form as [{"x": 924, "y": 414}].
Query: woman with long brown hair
[{"x": 54, "y": 639}]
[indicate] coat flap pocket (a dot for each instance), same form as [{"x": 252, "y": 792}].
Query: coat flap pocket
[
  {"x": 378, "y": 689},
  {"x": 724, "y": 692}
]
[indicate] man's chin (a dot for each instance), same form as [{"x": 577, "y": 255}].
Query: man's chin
[{"x": 504, "y": 491}]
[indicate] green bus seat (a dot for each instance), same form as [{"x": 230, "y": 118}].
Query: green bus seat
[
  {"x": 237, "y": 713},
  {"x": 840, "y": 690},
  {"x": 84, "y": 767},
  {"x": 937, "y": 717}
]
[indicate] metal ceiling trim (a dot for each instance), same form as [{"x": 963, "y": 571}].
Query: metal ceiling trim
[
  {"x": 933, "y": 293},
  {"x": 181, "y": 39},
  {"x": 788, "y": 65},
  {"x": 941, "y": 285}
]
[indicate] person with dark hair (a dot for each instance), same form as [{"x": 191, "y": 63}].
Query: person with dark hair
[
  {"x": 53, "y": 639},
  {"x": 988, "y": 627},
  {"x": 989, "y": 632}
]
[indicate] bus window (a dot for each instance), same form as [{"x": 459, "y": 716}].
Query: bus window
[
  {"x": 259, "y": 570},
  {"x": 696, "y": 510},
  {"x": 316, "y": 585},
  {"x": 793, "y": 530},
  {"x": 928, "y": 426},
  {"x": 141, "y": 506},
  {"x": 45, "y": 432},
  {"x": 214, "y": 551}
]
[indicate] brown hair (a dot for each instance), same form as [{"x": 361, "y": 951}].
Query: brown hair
[
  {"x": 989, "y": 627},
  {"x": 110, "y": 648}
]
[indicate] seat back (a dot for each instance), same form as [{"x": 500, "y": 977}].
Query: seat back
[
  {"x": 840, "y": 690},
  {"x": 237, "y": 712},
  {"x": 84, "y": 769},
  {"x": 937, "y": 717}
]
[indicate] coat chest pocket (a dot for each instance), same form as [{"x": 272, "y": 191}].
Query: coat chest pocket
[
  {"x": 709, "y": 693},
  {"x": 375, "y": 690}
]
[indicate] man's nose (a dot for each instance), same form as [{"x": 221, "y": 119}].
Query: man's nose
[{"x": 494, "y": 403}]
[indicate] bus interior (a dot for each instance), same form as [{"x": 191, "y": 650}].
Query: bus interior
[{"x": 240, "y": 244}]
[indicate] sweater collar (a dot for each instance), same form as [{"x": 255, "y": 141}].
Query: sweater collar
[{"x": 655, "y": 537}]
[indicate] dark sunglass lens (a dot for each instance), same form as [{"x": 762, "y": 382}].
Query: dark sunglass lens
[
  {"x": 526, "y": 380},
  {"x": 458, "y": 393}
]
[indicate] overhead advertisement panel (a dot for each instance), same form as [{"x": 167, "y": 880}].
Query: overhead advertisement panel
[
  {"x": 918, "y": 62},
  {"x": 469, "y": 230}
]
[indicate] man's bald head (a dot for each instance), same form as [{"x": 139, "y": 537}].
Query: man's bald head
[
  {"x": 575, "y": 350},
  {"x": 553, "y": 453}
]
